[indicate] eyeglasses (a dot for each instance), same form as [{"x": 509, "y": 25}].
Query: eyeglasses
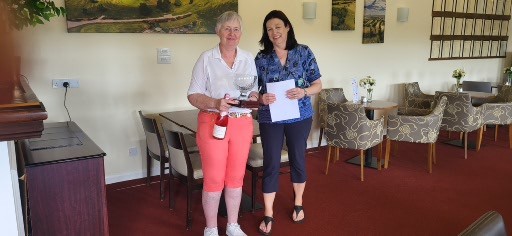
[{"x": 232, "y": 30}]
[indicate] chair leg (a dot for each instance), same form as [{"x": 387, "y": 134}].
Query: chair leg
[
  {"x": 479, "y": 138},
  {"x": 496, "y": 133},
  {"x": 465, "y": 145},
  {"x": 460, "y": 135},
  {"x": 162, "y": 187},
  {"x": 510, "y": 135},
  {"x": 337, "y": 150},
  {"x": 189, "y": 205},
  {"x": 379, "y": 158},
  {"x": 320, "y": 137},
  {"x": 171, "y": 188},
  {"x": 148, "y": 169},
  {"x": 429, "y": 158},
  {"x": 434, "y": 158},
  {"x": 362, "y": 165},
  {"x": 328, "y": 159},
  {"x": 253, "y": 187},
  {"x": 386, "y": 158}
]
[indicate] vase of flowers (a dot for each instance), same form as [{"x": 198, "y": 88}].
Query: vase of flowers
[
  {"x": 458, "y": 74},
  {"x": 508, "y": 71},
  {"x": 368, "y": 83}
]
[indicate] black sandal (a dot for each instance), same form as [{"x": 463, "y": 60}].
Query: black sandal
[
  {"x": 297, "y": 209},
  {"x": 267, "y": 220}
]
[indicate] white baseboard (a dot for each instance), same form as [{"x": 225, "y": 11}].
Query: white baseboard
[{"x": 132, "y": 175}]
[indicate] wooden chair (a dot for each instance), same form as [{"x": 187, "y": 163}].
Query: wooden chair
[
  {"x": 154, "y": 150},
  {"x": 416, "y": 129},
  {"x": 186, "y": 166},
  {"x": 348, "y": 127},
  {"x": 255, "y": 166}
]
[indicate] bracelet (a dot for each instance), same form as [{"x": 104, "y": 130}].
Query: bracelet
[{"x": 305, "y": 92}]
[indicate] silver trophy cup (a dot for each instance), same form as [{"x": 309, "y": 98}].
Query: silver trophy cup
[{"x": 245, "y": 83}]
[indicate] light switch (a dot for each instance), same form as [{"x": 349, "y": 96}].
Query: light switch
[{"x": 163, "y": 55}]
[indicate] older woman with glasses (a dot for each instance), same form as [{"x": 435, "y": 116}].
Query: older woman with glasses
[{"x": 223, "y": 160}]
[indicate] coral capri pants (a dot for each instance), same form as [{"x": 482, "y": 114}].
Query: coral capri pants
[{"x": 223, "y": 161}]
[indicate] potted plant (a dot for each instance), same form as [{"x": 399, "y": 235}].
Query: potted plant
[
  {"x": 368, "y": 83},
  {"x": 25, "y": 13},
  {"x": 508, "y": 71}
]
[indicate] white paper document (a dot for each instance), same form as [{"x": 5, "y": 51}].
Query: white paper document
[{"x": 283, "y": 108}]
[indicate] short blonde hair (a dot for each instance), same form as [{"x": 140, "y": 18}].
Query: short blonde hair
[{"x": 228, "y": 17}]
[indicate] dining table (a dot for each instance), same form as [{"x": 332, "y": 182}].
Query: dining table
[
  {"x": 187, "y": 119},
  {"x": 370, "y": 108}
]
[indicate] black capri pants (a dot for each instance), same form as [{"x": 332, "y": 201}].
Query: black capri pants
[{"x": 272, "y": 137}]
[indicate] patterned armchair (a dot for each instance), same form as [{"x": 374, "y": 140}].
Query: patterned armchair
[
  {"x": 415, "y": 102},
  {"x": 416, "y": 129},
  {"x": 461, "y": 116},
  {"x": 334, "y": 95},
  {"x": 348, "y": 127},
  {"x": 498, "y": 111}
]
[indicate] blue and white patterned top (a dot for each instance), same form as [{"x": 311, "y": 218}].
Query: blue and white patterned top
[{"x": 300, "y": 66}]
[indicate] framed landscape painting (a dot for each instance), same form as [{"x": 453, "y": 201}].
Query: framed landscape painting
[
  {"x": 343, "y": 15},
  {"x": 146, "y": 16},
  {"x": 374, "y": 21}
]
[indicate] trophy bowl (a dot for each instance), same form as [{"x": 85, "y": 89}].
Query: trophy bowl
[{"x": 245, "y": 83}]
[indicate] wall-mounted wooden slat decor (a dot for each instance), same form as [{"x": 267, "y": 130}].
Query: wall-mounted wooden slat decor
[{"x": 469, "y": 29}]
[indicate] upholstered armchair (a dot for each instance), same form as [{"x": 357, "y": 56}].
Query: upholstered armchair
[
  {"x": 461, "y": 116},
  {"x": 348, "y": 127},
  {"x": 415, "y": 102},
  {"x": 416, "y": 129},
  {"x": 498, "y": 111},
  {"x": 333, "y": 95}
]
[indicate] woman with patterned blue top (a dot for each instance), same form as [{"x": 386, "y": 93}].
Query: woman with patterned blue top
[{"x": 282, "y": 58}]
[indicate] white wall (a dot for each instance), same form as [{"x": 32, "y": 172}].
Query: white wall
[{"x": 118, "y": 72}]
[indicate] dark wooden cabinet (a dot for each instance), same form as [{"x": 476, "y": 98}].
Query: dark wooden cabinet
[{"x": 65, "y": 182}]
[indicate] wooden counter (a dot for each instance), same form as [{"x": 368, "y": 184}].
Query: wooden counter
[{"x": 21, "y": 113}]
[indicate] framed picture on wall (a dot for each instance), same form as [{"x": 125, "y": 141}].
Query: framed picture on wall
[
  {"x": 374, "y": 21},
  {"x": 343, "y": 15},
  {"x": 146, "y": 16}
]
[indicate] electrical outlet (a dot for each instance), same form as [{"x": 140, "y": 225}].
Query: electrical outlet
[
  {"x": 133, "y": 152},
  {"x": 59, "y": 83}
]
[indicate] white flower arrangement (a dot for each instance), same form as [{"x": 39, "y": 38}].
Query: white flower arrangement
[
  {"x": 507, "y": 70},
  {"x": 367, "y": 83},
  {"x": 458, "y": 74}
]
